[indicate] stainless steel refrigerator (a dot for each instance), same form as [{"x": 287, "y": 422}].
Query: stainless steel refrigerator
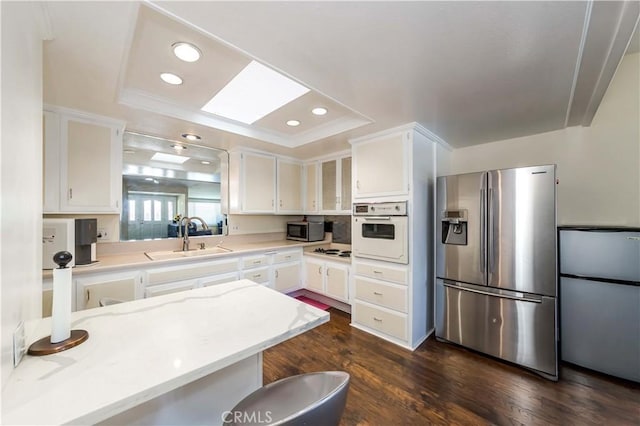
[{"x": 496, "y": 266}]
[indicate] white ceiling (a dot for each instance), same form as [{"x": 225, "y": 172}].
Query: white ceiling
[{"x": 471, "y": 72}]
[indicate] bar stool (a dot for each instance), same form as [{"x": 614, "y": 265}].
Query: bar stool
[{"x": 312, "y": 399}]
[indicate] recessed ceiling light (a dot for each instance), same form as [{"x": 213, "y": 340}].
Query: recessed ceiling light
[
  {"x": 255, "y": 92},
  {"x": 178, "y": 147},
  {"x": 186, "y": 51},
  {"x": 319, "y": 111},
  {"x": 206, "y": 162},
  {"x": 293, "y": 123},
  {"x": 169, "y": 158},
  {"x": 191, "y": 136},
  {"x": 170, "y": 78}
]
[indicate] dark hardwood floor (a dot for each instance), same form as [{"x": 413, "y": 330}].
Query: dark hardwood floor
[{"x": 441, "y": 383}]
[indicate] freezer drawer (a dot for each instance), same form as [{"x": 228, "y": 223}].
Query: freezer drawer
[
  {"x": 600, "y": 254},
  {"x": 600, "y": 326},
  {"x": 519, "y": 331}
]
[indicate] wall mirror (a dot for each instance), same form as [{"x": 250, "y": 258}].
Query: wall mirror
[{"x": 164, "y": 181}]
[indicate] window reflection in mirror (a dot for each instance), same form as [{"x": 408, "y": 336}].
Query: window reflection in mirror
[{"x": 162, "y": 183}]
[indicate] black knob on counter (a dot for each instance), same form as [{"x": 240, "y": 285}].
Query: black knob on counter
[{"x": 62, "y": 258}]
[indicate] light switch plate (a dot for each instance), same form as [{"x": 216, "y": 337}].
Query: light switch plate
[{"x": 19, "y": 344}]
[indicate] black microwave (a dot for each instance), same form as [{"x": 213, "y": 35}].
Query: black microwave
[{"x": 305, "y": 231}]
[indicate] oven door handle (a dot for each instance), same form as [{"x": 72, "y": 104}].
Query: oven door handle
[{"x": 377, "y": 218}]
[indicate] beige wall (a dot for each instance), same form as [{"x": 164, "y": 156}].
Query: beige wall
[
  {"x": 20, "y": 172},
  {"x": 598, "y": 166}
]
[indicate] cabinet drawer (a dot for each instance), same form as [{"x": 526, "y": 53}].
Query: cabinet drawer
[
  {"x": 393, "y": 324},
  {"x": 387, "y": 295},
  {"x": 259, "y": 275},
  {"x": 394, "y": 275},
  {"x": 255, "y": 261},
  {"x": 162, "y": 275},
  {"x": 159, "y": 290},
  {"x": 287, "y": 256},
  {"x": 218, "y": 279}
]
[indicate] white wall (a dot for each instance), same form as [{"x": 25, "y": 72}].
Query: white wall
[
  {"x": 598, "y": 166},
  {"x": 20, "y": 171}
]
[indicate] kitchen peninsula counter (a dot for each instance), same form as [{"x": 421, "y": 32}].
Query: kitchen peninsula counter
[{"x": 204, "y": 346}]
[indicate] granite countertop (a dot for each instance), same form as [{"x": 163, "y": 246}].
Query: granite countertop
[
  {"x": 139, "y": 259},
  {"x": 141, "y": 349}
]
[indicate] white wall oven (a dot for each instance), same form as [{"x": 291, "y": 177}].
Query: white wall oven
[{"x": 380, "y": 231}]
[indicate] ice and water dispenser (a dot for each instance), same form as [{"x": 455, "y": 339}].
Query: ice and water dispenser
[{"x": 454, "y": 227}]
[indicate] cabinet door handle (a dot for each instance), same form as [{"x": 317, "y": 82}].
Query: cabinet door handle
[
  {"x": 280, "y": 203},
  {"x": 88, "y": 296},
  {"x": 377, "y": 272},
  {"x": 327, "y": 271},
  {"x": 276, "y": 273},
  {"x": 358, "y": 184},
  {"x": 377, "y": 319},
  {"x": 272, "y": 203},
  {"x": 320, "y": 270},
  {"x": 377, "y": 293},
  {"x": 257, "y": 262},
  {"x": 257, "y": 275},
  {"x": 70, "y": 193}
]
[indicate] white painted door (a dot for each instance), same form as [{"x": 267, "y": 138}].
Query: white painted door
[
  {"x": 120, "y": 286},
  {"x": 91, "y": 172},
  {"x": 314, "y": 275},
  {"x": 311, "y": 188},
  {"x": 287, "y": 277},
  {"x": 289, "y": 187},
  {"x": 259, "y": 183},
  {"x": 381, "y": 166},
  {"x": 337, "y": 282}
]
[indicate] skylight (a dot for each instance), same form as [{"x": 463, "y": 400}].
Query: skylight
[
  {"x": 169, "y": 158},
  {"x": 255, "y": 92}
]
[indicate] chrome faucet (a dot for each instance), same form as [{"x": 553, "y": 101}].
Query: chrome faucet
[{"x": 185, "y": 233}]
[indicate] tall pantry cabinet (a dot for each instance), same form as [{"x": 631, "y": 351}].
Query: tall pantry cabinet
[{"x": 391, "y": 300}]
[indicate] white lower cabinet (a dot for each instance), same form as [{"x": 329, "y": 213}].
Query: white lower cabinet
[
  {"x": 174, "y": 287},
  {"x": 286, "y": 277},
  {"x": 286, "y": 271},
  {"x": 330, "y": 279},
  {"x": 123, "y": 286},
  {"x": 218, "y": 279},
  {"x": 172, "y": 279},
  {"x": 259, "y": 275},
  {"x": 382, "y": 300}
]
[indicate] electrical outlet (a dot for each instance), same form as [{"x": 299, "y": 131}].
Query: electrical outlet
[
  {"x": 102, "y": 234},
  {"x": 19, "y": 344}
]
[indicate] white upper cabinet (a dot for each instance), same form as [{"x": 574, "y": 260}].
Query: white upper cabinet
[
  {"x": 264, "y": 184},
  {"x": 335, "y": 181},
  {"x": 82, "y": 162},
  {"x": 381, "y": 165},
  {"x": 252, "y": 183},
  {"x": 289, "y": 180},
  {"x": 311, "y": 203}
]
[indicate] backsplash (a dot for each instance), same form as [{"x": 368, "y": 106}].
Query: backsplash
[{"x": 341, "y": 228}]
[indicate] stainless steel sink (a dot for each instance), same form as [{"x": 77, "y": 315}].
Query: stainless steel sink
[{"x": 177, "y": 254}]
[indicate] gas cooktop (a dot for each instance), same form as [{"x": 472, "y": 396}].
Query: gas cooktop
[{"x": 333, "y": 252}]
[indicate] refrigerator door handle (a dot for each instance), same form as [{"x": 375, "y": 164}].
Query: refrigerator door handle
[
  {"x": 488, "y": 293},
  {"x": 490, "y": 248},
  {"x": 483, "y": 228}
]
